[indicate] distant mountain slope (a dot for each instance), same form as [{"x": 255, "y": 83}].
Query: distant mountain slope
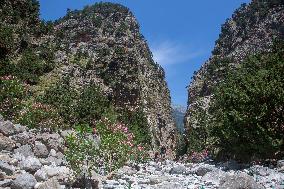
[{"x": 178, "y": 114}]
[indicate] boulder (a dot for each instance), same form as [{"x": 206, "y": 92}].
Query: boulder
[
  {"x": 51, "y": 183},
  {"x": 30, "y": 164},
  {"x": 201, "y": 171},
  {"x": 24, "y": 181},
  {"x": 25, "y": 150},
  {"x": 5, "y": 183},
  {"x": 6, "y": 168},
  {"x": 6, "y": 143},
  {"x": 52, "y": 141},
  {"x": 61, "y": 173},
  {"x": 280, "y": 163},
  {"x": 179, "y": 169},
  {"x": 40, "y": 150},
  {"x": 239, "y": 181},
  {"x": 7, "y": 128},
  {"x": 21, "y": 138},
  {"x": 19, "y": 128}
]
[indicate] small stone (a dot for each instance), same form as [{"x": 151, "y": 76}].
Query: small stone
[
  {"x": 6, "y": 168},
  {"x": 7, "y": 128},
  {"x": 30, "y": 164},
  {"x": 24, "y": 150},
  {"x": 52, "y": 153},
  {"x": 40, "y": 150},
  {"x": 180, "y": 169},
  {"x": 24, "y": 181}
]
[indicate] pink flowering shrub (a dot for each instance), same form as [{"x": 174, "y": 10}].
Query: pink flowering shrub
[{"x": 118, "y": 144}]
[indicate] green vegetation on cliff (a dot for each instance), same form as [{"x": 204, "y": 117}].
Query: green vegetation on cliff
[{"x": 245, "y": 118}]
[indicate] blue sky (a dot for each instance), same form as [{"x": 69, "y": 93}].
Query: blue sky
[{"x": 180, "y": 33}]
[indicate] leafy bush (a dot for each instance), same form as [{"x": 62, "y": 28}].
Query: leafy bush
[
  {"x": 82, "y": 151},
  {"x": 6, "y": 40},
  {"x": 32, "y": 66},
  {"x": 38, "y": 115},
  {"x": 74, "y": 107},
  {"x": 112, "y": 147},
  {"x": 137, "y": 124},
  {"x": 12, "y": 91},
  {"x": 97, "y": 21},
  {"x": 247, "y": 117}
]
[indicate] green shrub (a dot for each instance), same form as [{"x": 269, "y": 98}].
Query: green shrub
[
  {"x": 113, "y": 148},
  {"x": 12, "y": 91},
  {"x": 246, "y": 119},
  {"x": 32, "y": 66},
  {"x": 117, "y": 143},
  {"x": 97, "y": 21},
  {"x": 82, "y": 151},
  {"x": 74, "y": 107},
  {"x": 6, "y": 40},
  {"x": 38, "y": 115},
  {"x": 63, "y": 97},
  {"x": 137, "y": 124},
  {"x": 91, "y": 104}
]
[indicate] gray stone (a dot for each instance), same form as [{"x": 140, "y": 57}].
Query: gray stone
[
  {"x": 30, "y": 164},
  {"x": 5, "y": 183},
  {"x": 24, "y": 181},
  {"x": 6, "y": 143},
  {"x": 21, "y": 138},
  {"x": 7, "y": 128},
  {"x": 41, "y": 175},
  {"x": 61, "y": 173},
  {"x": 280, "y": 163},
  {"x": 52, "y": 141},
  {"x": 19, "y": 128},
  {"x": 24, "y": 150},
  {"x": 179, "y": 169},
  {"x": 201, "y": 171},
  {"x": 239, "y": 181},
  {"x": 232, "y": 165},
  {"x": 40, "y": 150},
  {"x": 1, "y": 118},
  {"x": 6, "y": 168},
  {"x": 51, "y": 183}
]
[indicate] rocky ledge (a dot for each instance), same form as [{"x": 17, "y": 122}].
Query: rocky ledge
[
  {"x": 170, "y": 174},
  {"x": 32, "y": 159}
]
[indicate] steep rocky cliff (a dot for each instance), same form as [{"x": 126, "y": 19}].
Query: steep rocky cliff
[
  {"x": 99, "y": 46},
  {"x": 252, "y": 29}
]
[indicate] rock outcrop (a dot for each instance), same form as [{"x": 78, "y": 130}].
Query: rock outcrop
[
  {"x": 252, "y": 29},
  {"x": 100, "y": 45},
  {"x": 103, "y": 44}
]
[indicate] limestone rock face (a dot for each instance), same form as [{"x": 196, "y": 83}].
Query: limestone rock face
[
  {"x": 102, "y": 44},
  {"x": 252, "y": 29}
]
